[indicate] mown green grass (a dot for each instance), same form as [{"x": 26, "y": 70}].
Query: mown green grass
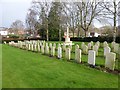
[
  {"x": 100, "y": 59},
  {"x": 0, "y": 66},
  {"x": 25, "y": 69}
]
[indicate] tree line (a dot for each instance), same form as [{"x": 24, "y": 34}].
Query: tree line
[{"x": 50, "y": 19}]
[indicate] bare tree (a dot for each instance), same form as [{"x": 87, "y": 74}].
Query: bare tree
[
  {"x": 112, "y": 13},
  {"x": 16, "y": 26},
  {"x": 31, "y": 20},
  {"x": 70, "y": 11},
  {"x": 44, "y": 8},
  {"x": 88, "y": 11}
]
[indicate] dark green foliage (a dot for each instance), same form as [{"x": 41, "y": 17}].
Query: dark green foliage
[
  {"x": 95, "y": 39},
  {"x": 54, "y": 21},
  {"x": 42, "y": 33},
  {"x": 13, "y": 36}
]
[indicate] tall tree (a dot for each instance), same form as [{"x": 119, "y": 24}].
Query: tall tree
[
  {"x": 54, "y": 20},
  {"x": 112, "y": 12},
  {"x": 71, "y": 12},
  {"x": 88, "y": 11},
  {"x": 31, "y": 20},
  {"x": 16, "y": 26}
]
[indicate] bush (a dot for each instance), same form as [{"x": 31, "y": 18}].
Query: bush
[
  {"x": 13, "y": 36},
  {"x": 95, "y": 39}
]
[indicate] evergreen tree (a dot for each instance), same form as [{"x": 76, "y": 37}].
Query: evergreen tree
[{"x": 54, "y": 21}]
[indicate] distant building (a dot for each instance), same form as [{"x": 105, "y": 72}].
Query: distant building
[
  {"x": 93, "y": 34},
  {"x": 3, "y": 31}
]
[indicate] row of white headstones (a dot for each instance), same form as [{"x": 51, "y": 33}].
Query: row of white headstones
[{"x": 90, "y": 49}]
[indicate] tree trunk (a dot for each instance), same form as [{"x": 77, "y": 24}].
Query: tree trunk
[
  {"x": 115, "y": 12},
  {"x": 78, "y": 34},
  {"x": 59, "y": 34},
  {"x": 47, "y": 35},
  {"x": 73, "y": 33},
  {"x": 85, "y": 33}
]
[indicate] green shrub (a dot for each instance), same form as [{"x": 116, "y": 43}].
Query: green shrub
[{"x": 13, "y": 36}]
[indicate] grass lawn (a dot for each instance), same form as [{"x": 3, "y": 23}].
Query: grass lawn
[
  {"x": 0, "y": 66},
  {"x": 25, "y": 69},
  {"x": 100, "y": 59}
]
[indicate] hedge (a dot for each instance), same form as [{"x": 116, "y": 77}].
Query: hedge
[{"x": 86, "y": 39}]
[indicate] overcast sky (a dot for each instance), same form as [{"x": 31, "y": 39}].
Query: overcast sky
[{"x": 11, "y": 10}]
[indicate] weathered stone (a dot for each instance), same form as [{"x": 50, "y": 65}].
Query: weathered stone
[
  {"x": 54, "y": 45},
  {"x": 35, "y": 47},
  {"x": 95, "y": 48},
  {"x": 98, "y": 44},
  {"x": 68, "y": 53},
  {"x": 4, "y": 42},
  {"x": 91, "y": 57},
  {"x": 78, "y": 59},
  {"x": 29, "y": 46},
  {"x": 42, "y": 49},
  {"x": 70, "y": 46},
  {"x": 50, "y": 45},
  {"x": 89, "y": 46},
  {"x": 32, "y": 47},
  {"x": 106, "y": 50},
  {"x": 53, "y": 51},
  {"x": 82, "y": 45},
  {"x": 105, "y": 44},
  {"x": 110, "y": 60},
  {"x": 64, "y": 47},
  {"x": 116, "y": 47},
  {"x": 92, "y": 43},
  {"x": 76, "y": 51},
  {"x": 59, "y": 52},
  {"x": 112, "y": 45},
  {"x": 47, "y": 49},
  {"x": 38, "y": 47},
  {"x": 85, "y": 49}
]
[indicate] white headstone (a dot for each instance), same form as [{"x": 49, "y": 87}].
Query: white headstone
[
  {"x": 53, "y": 51},
  {"x": 91, "y": 57},
  {"x": 70, "y": 46},
  {"x": 38, "y": 47},
  {"x": 47, "y": 49},
  {"x": 50, "y": 45},
  {"x": 54, "y": 45},
  {"x": 32, "y": 47},
  {"x": 89, "y": 46},
  {"x": 29, "y": 46},
  {"x": 59, "y": 52},
  {"x": 112, "y": 45},
  {"x": 98, "y": 44},
  {"x": 85, "y": 49},
  {"x": 116, "y": 47},
  {"x": 110, "y": 60},
  {"x": 42, "y": 49},
  {"x": 78, "y": 55},
  {"x": 64, "y": 46},
  {"x": 95, "y": 48},
  {"x": 35, "y": 47},
  {"x": 106, "y": 50},
  {"x": 68, "y": 53},
  {"x": 76, "y": 51},
  {"x": 105, "y": 44},
  {"x": 92, "y": 43},
  {"x": 82, "y": 45}
]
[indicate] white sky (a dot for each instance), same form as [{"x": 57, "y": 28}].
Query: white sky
[
  {"x": 13, "y": 10},
  {"x": 16, "y": 10}
]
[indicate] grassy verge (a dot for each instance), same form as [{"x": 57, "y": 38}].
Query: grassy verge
[
  {"x": 0, "y": 66},
  {"x": 25, "y": 69}
]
